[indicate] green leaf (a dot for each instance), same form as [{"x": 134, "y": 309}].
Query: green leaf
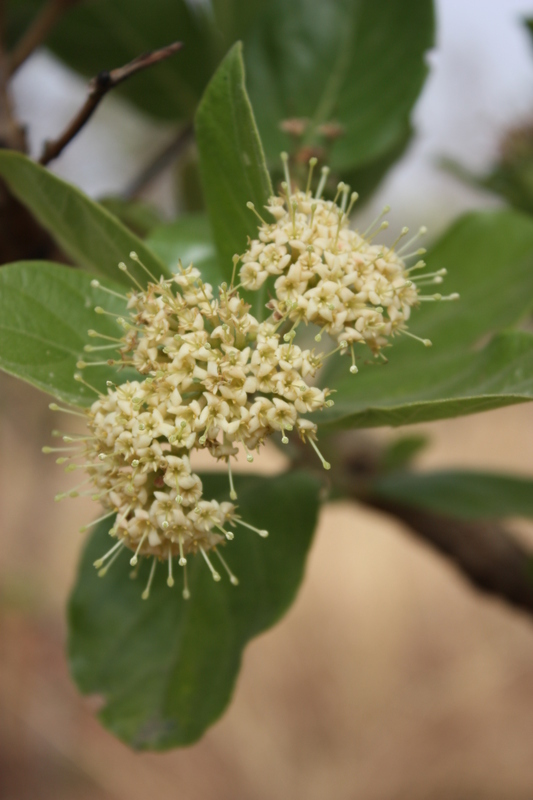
[
  {"x": 88, "y": 233},
  {"x": 232, "y": 163},
  {"x": 472, "y": 495},
  {"x": 140, "y": 217},
  {"x": 190, "y": 239},
  {"x": 45, "y": 312},
  {"x": 166, "y": 667},
  {"x": 356, "y": 63},
  {"x": 401, "y": 452},
  {"x": 489, "y": 258}
]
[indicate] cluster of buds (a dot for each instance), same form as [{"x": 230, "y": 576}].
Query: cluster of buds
[{"x": 214, "y": 377}]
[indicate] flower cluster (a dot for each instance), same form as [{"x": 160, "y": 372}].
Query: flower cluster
[{"x": 214, "y": 377}]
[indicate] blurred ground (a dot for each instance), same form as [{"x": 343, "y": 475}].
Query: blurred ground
[{"x": 389, "y": 678}]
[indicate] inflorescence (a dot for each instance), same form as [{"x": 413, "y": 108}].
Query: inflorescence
[{"x": 213, "y": 377}]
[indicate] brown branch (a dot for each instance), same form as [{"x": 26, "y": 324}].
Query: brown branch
[
  {"x": 483, "y": 551},
  {"x": 98, "y": 88},
  {"x": 163, "y": 160},
  {"x": 11, "y": 132},
  {"x": 38, "y": 31}
]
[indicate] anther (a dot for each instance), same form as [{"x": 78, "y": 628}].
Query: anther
[{"x": 312, "y": 164}]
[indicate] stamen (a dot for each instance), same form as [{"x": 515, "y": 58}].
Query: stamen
[
  {"x": 232, "y": 492},
  {"x": 235, "y": 260},
  {"x": 135, "y": 257},
  {"x": 170, "y": 579},
  {"x": 345, "y": 193},
  {"x": 252, "y": 207},
  {"x": 107, "y": 567},
  {"x": 249, "y": 456},
  {"x": 214, "y": 573},
  {"x": 325, "y": 463},
  {"x": 232, "y": 578},
  {"x": 59, "y": 449},
  {"x": 385, "y": 210},
  {"x": 404, "y": 231},
  {"x": 382, "y": 227},
  {"x": 425, "y": 342},
  {"x": 94, "y": 334},
  {"x": 96, "y": 521},
  {"x": 135, "y": 558},
  {"x": 97, "y": 285},
  {"x": 353, "y": 368},
  {"x": 325, "y": 172},
  {"x": 89, "y": 348},
  {"x": 240, "y": 521},
  {"x": 182, "y": 561},
  {"x": 146, "y": 594},
  {"x": 437, "y": 298},
  {"x": 420, "y": 252},
  {"x": 100, "y": 561},
  {"x": 79, "y": 379},
  {"x": 421, "y": 232},
  {"x": 123, "y": 268},
  {"x": 312, "y": 164},
  {"x": 228, "y": 534},
  {"x": 185, "y": 593},
  {"x": 285, "y": 160},
  {"x": 55, "y": 407},
  {"x": 418, "y": 265},
  {"x": 353, "y": 199},
  {"x": 436, "y": 274}
]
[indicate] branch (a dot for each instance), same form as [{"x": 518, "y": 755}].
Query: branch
[
  {"x": 98, "y": 88},
  {"x": 483, "y": 551},
  {"x": 38, "y": 31},
  {"x": 11, "y": 132}
]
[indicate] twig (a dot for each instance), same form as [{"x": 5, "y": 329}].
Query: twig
[
  {"x": 484, "y": 552},
  {"x": 98, "y": 88},
  {"x": 161, "y": 162},
  {"x": 38, "y": 31},
  {"x": 11, "y": 132}
]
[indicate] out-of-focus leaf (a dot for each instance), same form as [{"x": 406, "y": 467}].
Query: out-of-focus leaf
[
  {"x": 93, "y": 237},
  {"x": 472, "y": 495},
  {"x": 166, "y": 667},
  {"x": 402, "y": 451},
  {"x": 232, "y": 163},
  {"x": 45, "y": 312},
  {"x": 355, "y": 63},
  {"x": 489, "y": 258},
  {"x": 188, "y": 238},
  {"x": 140, "y": 217}
]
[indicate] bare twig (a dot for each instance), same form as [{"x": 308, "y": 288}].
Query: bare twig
[
  {"x": 163, "y": 160},
  {"x": 38, "y": 31},
  {"x": 98, "y": 88}
]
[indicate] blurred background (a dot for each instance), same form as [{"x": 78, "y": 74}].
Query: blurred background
[{"x": 390, "y": 678}]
